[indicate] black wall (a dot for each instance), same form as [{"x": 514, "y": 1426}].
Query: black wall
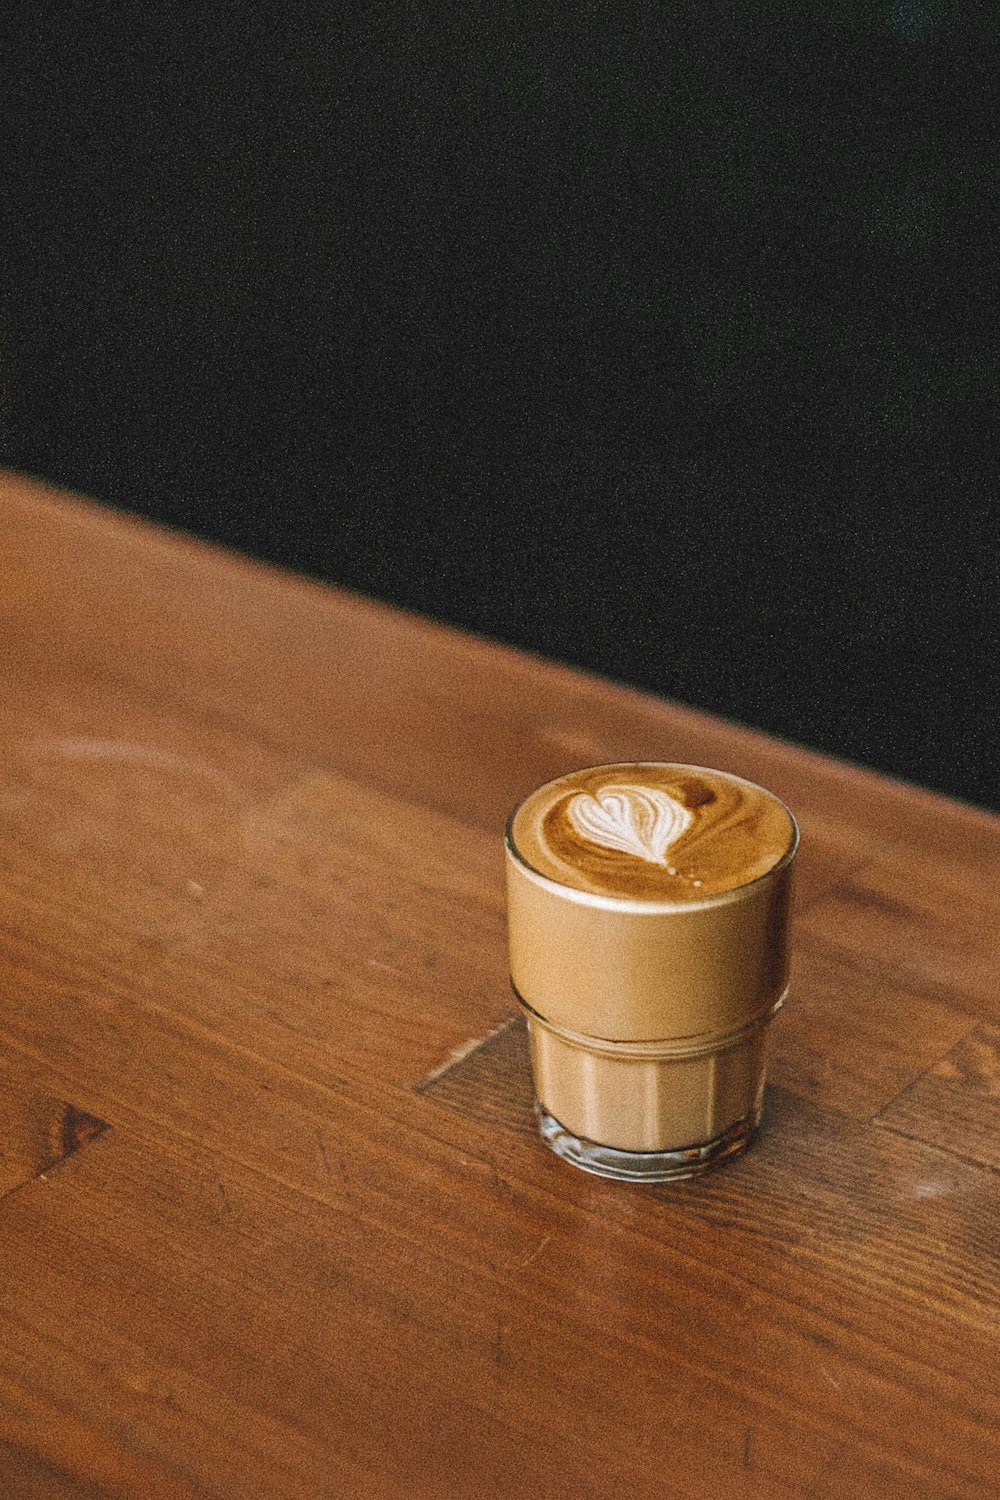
[{"x": 662, "y": 338}]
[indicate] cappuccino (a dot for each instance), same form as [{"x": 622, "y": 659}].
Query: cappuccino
[
  {"x": 648, "y": 913},
  {"x": 652, "y": 832}
]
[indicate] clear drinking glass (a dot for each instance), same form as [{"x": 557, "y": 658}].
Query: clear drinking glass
[{"x": 648, "y": 920}]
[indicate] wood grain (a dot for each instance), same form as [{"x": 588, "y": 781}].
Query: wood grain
[
  {"x": 957, "y": 1103},
  {"x": 252, "y": 964},
  {"x": 37, "y": 1132},
  {"x": 856, "y": 1033},
  {"x": 919, "y": 920}
]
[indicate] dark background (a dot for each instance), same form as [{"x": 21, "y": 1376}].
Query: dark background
[{"x": 660, "y": 338}]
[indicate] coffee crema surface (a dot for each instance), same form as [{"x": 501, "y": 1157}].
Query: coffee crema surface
[{"x": 652, "y": 831}]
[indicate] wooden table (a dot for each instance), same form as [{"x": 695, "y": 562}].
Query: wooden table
[{"x": 273, "y": 1217}]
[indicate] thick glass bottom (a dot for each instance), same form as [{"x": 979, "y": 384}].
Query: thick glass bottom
[{"x": 643, "y": 1166}]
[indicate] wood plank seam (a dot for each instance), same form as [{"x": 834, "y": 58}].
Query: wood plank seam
[
  {"x": 919, "y": 1140},
  {"x": 461, "y": 1054},
  {"x": 918, "y": 1079}
]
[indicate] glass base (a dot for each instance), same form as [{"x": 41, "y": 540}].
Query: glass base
[{"x": 643, "y": 1166}]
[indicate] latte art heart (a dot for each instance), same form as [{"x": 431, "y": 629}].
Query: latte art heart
[
  {"x": 633, "y": 819},
  {"x": 651, "y": 831}
]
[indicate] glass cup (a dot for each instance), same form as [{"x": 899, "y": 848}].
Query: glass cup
[{"x": 648, "y": 922}]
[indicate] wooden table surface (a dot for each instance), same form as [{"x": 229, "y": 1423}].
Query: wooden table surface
[{"x": 273, "y": 1217}]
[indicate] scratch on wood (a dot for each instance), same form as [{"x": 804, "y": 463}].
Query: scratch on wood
[
  {"x": 322, "y": 1151},
  {"x": 747, "y": 1436},
  {"x": 500, "y": 1351},
  {"x": 537, "y": 1250},
  {"x": 345, "y": 1180}
]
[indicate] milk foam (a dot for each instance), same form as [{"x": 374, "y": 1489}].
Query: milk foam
[
  {"x": 637, "y": 820},
  {"x": 653, "y": 831}
]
